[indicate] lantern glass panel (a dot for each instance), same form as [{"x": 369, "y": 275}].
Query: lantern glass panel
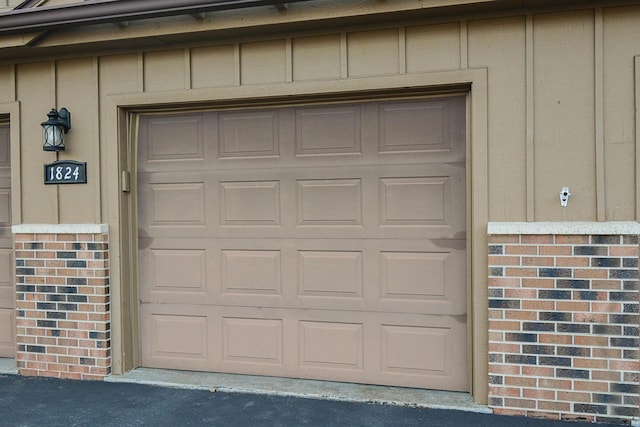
[{"x": 53, "y": 138}]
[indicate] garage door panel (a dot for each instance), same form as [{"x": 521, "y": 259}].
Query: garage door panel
[
  {"x": 251, "y": 272},
  {"x": 250, "y": 203},
  {"x": 422, "y": 282},
  {"x": 328, "y": 130},
  {"x": 176, "y": 338},
  {"x": 181, "y": 274},
  {"x": 249, "y": 134},
  {"x": 252, "y": 340},
  {"x": 424, "y": 354},
  {"x": 320, "y": 241},
  {"x": 417, "y": 126},
  {"x": 330, "y": 202},
  {"x": 332, "y": 345},
  {"x": 163, "y": 133}
]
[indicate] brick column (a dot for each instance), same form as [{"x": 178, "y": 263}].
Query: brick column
[
  {"x": 62, "y": 307},
  {"x": 563, "y": 321}
]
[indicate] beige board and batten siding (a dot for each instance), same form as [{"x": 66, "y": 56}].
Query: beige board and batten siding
[
  {"x": 7, "y": 294},
  {"x": 324, "y": 242},
  {"x": 511, "y": 49},
  {"x": 531, "y": 127}
]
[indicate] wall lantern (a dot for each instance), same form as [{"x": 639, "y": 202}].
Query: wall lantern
[{"x": 54, "y": 129}]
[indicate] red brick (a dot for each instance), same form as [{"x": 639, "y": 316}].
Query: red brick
[
  {"x": 606, "y": 307},
  {"x": 537, "y": 371},
  {"x": 57, "y": 367},
  {"x": 520, "y": 272},
  {"x": 590, "y": 363},
  {"x": 536, "y": 239},
  {"x": 598, "y": 386},
  {"x": 54, "y": 246},
  {"x": 504, "y": 391},
  {"x": 572, "y": 396},
  {"x": 505, "y": 282},
  {"x": 578, "y": 418},
  {"x": 520, "y": 381},
  {"x": 626, "y": 251},
  {"x": 543, "y": 415},
  {"x": 511, "y": 412},
  {"x": 81, "y": 352},
  {"x": 555, "y": 339},
  {"x": 535, "y": 393},
  {"x": 555, "y": 250},
  {"x": 520, "y": 250},
  {"x": 520, "y": 293},
  {"x": 504, "y": 369},
  {"x": 521, "y": 315},
  {"x": 624, "y": 365},
  {"x": 538, "y": 283},
  {"x": 539, "y": 305},
  {"x": 572, "y": 305},
  {"x": 606, "y": 284},
  {"x": 81, "y": 369},
  {"x": 571, "y": 261},
  {"x": 503, "y": 238},
  {"x": 538, "y": 261},
  {"x": 520, "y": 403},
  {"x": 554, "y": 383},
  {"x": 593, "y": 273},
  {"x": 591, "y": 340},
  {"x": 564, "y": 239},
  {"x": 504, "y": 325},
  {"x": 590, "y": 318}
]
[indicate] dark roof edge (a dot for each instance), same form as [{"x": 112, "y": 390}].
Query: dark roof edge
[{"x": 106, "y": 11}]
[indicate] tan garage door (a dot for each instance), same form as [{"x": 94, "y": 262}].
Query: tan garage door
[
  {"x": 318, "y": 241},
  {"x": 7, "y": 295}
]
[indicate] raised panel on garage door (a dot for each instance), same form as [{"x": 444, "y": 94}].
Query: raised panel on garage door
[
  {"x": 7, "y": 294},
  {"x": 323, "y": 241}
]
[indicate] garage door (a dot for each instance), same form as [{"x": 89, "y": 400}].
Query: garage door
[
  {"x": 318, "y": 241},
  {"x": 7, "y": 295}
]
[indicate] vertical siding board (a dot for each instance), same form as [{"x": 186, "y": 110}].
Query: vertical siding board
[
  {"x": 7, "y": 94},
  {"x": 619, "y": 25},
  {"x": 35, "y": 88},
  {"x": 373, "y": 53},
  {"x": 78, "y": 92},
  {"x": 316, "y": 58},
  {"x": 434, "y": 47},
  {"x": 637, "y": 138},
  {"x": 530, "y": 108},
  {"x": 164, "y": 70},
  {"x": 213, "y": 66},
  {"x": 564, "y": 115},
  {"x": 263, "y": 62},
  {"x": 492, "y": 44},
  {"x": 599, "y": 114}
]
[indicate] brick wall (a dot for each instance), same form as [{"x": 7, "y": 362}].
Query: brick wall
[
  {"x": 62, "y": 302},
  {"x": 563, "y": 325}
]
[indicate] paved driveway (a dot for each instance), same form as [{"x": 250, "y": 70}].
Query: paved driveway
[{"x": 52, "y": 402}]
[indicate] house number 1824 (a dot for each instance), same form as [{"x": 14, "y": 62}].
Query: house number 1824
[{"x": 65, "y": 172}]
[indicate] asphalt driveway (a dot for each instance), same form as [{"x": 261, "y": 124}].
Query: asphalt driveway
[{"x": 28, "y": 401}]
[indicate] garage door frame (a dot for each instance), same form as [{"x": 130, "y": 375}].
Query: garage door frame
[
  {"x": 10, "y": 115},
  {"x": 124, "y": 113}
]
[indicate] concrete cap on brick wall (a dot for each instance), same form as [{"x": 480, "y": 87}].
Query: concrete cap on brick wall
[
  {"x": 577, "y": 228},
  {"x": 60, "y": 228}
]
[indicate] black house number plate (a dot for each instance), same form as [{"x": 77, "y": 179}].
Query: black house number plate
[{"x": 65, "y": 172}]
